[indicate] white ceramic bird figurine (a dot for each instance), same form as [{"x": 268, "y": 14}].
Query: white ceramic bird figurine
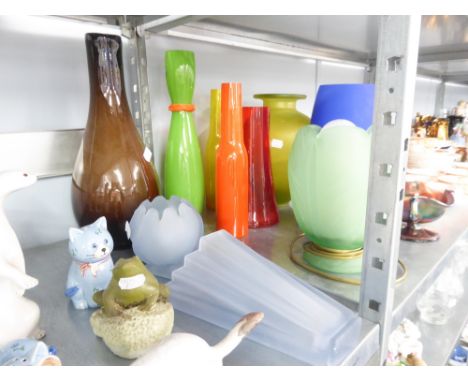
[
  {"x": 18, "y": 315},
  {"x": 188, "y": 349}
]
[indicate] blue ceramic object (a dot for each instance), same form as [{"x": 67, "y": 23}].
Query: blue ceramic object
[
  {"x": 352, "y": 102},
  {"x": 459, "y": 356},
  {"x": 28, "y": 352},
  {"x": 91, "y": 269},
  {"x": 164, "y": 231}
]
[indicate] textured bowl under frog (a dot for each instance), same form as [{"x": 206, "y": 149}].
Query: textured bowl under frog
[
  {"x": 163, "y": 232},
  {"x": 134, "y": 332}
]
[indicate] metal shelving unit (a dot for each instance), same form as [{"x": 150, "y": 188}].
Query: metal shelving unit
[{"x": 392, "y": 60}]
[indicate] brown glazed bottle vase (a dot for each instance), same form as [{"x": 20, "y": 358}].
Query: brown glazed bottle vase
[{"x": 113, "y": 172}]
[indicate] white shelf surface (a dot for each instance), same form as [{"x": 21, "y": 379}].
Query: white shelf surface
[{"x": 69, "y": 330}]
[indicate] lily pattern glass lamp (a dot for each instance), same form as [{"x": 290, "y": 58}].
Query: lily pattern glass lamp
[{"x": 328, "y": 179}]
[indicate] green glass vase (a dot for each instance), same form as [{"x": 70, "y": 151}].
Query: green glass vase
[
  {"x": 183, "y": 167},
  {"x": 328, "y": 178}
]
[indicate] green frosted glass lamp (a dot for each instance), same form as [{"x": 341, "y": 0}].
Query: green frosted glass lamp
[{"x": 328, "y": 176}]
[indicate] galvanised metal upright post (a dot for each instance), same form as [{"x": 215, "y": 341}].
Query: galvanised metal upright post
[
  {"x": 397, "y": 57},
  {"x": 136, "y": 76},
  {"x": 440, "y": 98},
  {"x": 136, "y": 65}
]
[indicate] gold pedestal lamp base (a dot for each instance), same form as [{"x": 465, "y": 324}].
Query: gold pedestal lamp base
[{"x": 337, "y": 265}]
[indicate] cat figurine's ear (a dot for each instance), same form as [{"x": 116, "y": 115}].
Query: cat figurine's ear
[
  {"x": 73, "y": 233},
  {"x": 101, "y": 223}
]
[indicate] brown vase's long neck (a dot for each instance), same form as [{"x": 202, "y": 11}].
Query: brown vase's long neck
[{"x": 107, "y": 92}]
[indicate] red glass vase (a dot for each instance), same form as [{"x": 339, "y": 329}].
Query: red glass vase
[{"x": 263, "y": 211}]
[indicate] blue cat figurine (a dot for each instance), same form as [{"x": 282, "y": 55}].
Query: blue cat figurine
[{"x": 91, "y": 269}]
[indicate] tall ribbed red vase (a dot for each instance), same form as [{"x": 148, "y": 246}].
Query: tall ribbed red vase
[{"x": 263, "y": 210}]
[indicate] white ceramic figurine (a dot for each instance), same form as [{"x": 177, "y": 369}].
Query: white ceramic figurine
[
  {"x": 190, "y": 350},
  {"x": 19, "y": 316}
]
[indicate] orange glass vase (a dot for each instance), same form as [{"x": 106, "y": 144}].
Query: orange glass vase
[{"x": 232, "y": 172}]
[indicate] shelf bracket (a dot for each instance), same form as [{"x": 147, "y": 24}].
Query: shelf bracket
[
  {"x": 369, "y": 76},
  {"x": 440, "y": 99},
  {"x": 165, "y": 23},
  {"x": 136, "y": 82},
  {"x": 395, "y": 79}
]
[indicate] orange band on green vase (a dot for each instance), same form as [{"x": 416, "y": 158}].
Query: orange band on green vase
[{"x": 181, "y": 107}]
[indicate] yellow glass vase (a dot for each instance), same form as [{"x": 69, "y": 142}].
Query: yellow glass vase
[
  {"x": 211, "y": 147},
  {"x": 285, "y": 122}
]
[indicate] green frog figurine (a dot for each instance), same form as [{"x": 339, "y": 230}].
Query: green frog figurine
[{"x": 131, "y": 285}]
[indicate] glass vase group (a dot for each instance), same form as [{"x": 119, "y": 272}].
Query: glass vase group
[
  {"x": 239, "y": 178},
  {"x": 256, "y": 157}
]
